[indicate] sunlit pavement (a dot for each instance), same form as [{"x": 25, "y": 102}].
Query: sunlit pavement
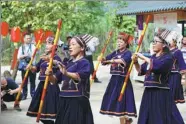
[{"x": 12, "y": 116}]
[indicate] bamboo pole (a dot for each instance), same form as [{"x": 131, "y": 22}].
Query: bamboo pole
[
  {"x": 132, "y": 63},
  {"x": 101, "y": 56},
  {"x": 50, "y": 68}
]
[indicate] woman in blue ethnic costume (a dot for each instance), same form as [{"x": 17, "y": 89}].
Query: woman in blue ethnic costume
[
  {"x": 157, "y": 105},
  {"x": 74, "y": 106},
  {"x": 179, "y": 68},
  {"x": 120, "y": 61},
  {"x": 51, "y": 100}
]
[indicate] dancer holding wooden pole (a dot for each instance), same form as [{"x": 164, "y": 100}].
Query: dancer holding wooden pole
[
  {"x": 44, "y": 106},
  {"x": 50, "y": 68},
  {"x": 157, "y": 104},
  {"x": 119, "y": 60},
  {"x": 132, "y": 63},
  {"x": 48, "y": 113}
]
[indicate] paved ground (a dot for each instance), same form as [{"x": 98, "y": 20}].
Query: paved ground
[{"x": 97, "y": 90}]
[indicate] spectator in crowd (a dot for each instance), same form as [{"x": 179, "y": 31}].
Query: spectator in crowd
[
  {"x": 183, "y": 50},
  {"x": 9, "y": 90},
  {"x": 25, "y": 52}
]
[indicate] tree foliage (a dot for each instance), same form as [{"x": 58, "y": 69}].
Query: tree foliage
[
  {"x": 77, "y": 17},
  {"x": 93, "y": 17}
]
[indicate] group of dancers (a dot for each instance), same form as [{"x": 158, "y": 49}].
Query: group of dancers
[{"x": 70, "y": 104}]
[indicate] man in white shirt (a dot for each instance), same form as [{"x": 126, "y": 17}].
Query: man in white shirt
[
  {"x": 92, "y": 42},
  {"x": 183, "y": 49},
  {"x": 25, "y": 52}
]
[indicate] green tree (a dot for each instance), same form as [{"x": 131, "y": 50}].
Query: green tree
[
  {"x": 78, "y": 17},
  {"x": 93, "y": 17}
]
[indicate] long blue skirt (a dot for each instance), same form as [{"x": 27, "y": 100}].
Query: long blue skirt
[
  {"x": 158, "y": 107},
  {"x": 110, "y": 104},
  {"x": 49, "y": 110},
  {"x": 74, "y": 110},
  {"x": 176, "y": 87}
]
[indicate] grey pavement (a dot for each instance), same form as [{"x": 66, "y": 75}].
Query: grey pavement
[{"x": 12, "y": 116}]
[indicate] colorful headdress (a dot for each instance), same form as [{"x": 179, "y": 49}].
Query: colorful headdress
[
  {"x": 168, "y": 35},
  {"x": 126, "y": 37},
  {"x": 90, "y": 40}
]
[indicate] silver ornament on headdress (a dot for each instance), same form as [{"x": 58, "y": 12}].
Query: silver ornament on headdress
[{"x": 90, "y": 40}]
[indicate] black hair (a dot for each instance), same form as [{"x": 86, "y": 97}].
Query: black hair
[
  {"x": 166, "y": 49},
  {"x": 26, "y": 33},
  {"x": 68, "y": 37},
  {"x": 127, "y": 45}
]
